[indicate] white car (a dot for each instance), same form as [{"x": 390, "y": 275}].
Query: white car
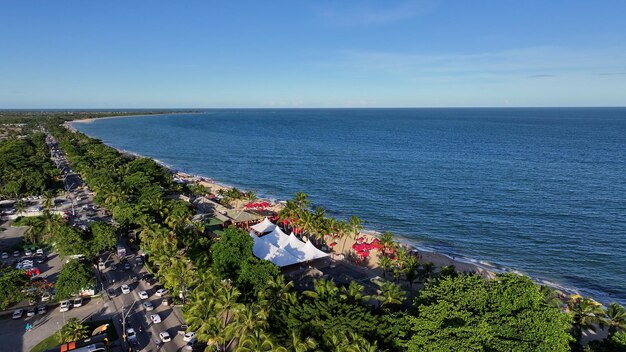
[
  {"x": 5, "y": 255},
  {"x": 45, "y": 297},
  {"x": 189, "y": 336},
  {"x": 130, "y": 334},
  {"x": 28, "y": 253},
  {"x": 143, "y": 295},
  {"x": 125, "y": 289},
  {"x": 161, "y": 292},
  {"x": 78, "y": 301},
  {"x": 39, "y": 251},
  {"x": 165, "y": 336},
  {"x": 18, "y": 313},
  {"x": 65, "y": 306},
  {"x": 155, "y": 318},
  {"x": 148, "y": 306},
  {"x": 31, "y": 312}
]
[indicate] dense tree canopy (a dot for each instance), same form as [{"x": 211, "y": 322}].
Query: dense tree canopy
[
  {"x": 13, "y": 283},
  {"x": 25, "y": 167},
  {"x": 468, "y": 313},
  {"x": 73, "y": 277}
]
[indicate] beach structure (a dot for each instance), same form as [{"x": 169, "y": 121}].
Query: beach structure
[
  {"x": 264, "y": 226},
  {"x": 284, "y": 250}
]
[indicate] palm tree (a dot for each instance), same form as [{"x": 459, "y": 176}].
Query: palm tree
[
  {"x": 615, "y": 318},
  {"x": 73, "y": 330},
  {"x": 322, "y": 289},
  {"x": 354, "y": 293},
  {"x": 48, "y": 200},
  {"x": 410, "y": 270},
  {"x": 389, "y": 293},
  {"x": 550, "y": 296},
  {"x": 586, "y": 313},
  {"x": 387, "y": 240},
  {"x": 307, "y": 222},
  {"x": 20, "y": 206},
  {"x": 297, "y": 344},
  {"x": 385, "y": 263},
  {"x": 353, "y": 227},
  {"x": 258, "y": 341},
  {"x": 278, "y": 292},
  {"x": 301, "y": 200},
  {"x": 428, "y": 269}
]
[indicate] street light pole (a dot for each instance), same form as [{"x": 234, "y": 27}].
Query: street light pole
[{"x": 124, "y": 320}]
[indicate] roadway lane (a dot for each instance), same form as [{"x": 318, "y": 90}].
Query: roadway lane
[{"x": 138, "y": 318}]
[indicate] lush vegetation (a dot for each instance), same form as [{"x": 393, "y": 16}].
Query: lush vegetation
[
  {"x": 237, "y": 302},
  {"x": 73, "y": 330},
  {"x": 13, "y": 284},
  {"x": 74, "y": 277},
  {"x": 25, "y": 167}
]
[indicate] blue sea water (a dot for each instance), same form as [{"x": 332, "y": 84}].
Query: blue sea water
[{"x": 541, "y": 191}]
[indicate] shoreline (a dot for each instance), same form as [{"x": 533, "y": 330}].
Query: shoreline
[{"x": 439, "y": 258}]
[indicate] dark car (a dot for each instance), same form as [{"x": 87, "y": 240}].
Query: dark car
[
  {"x": 126, "y": 266},
  {"x": 111, "y": 292}
]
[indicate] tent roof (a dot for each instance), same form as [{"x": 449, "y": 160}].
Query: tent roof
[
  {"x": 277, "y": 237},
  {"x": 264, "y": 226},
  {"x": 265, "y": 250}
]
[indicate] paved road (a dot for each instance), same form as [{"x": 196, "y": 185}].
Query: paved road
[
  {"x": 129, "y": 305},
  {"x": 137, "y": 316}
]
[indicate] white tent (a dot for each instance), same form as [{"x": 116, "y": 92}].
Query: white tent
[
  {"x": 277, "y": 237},
  {"x": 265, "y": 250},
  {"x": 293, "y": 245},
  {"x": 311, "y": 252},
  {"x": 264, "y": 226}
]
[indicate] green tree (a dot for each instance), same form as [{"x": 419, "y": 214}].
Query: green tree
[
  {"x": 468, "y": 313},
  {"x": 389, "y": 294},
  {"x": 615, "y": 318},
  {"x": 103, "y": 237},
  {"x": 73, "y": 277},
  {"x": 73, "y": 330},
  {"x": 233, "y": 248},
  {"x": 586, "y": 314},
  {"x": 13, "y": 285}
]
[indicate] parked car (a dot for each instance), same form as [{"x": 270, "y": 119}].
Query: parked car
[
  {"x": 42, "y": 309},
  {"x": 148, "y": 306},
  {"x": 41, "y": 259},
  {"x": 30, "y": 312},
  {"x": 165, "y": 336},
  {"x": 39, "y": 251},
  {"x": 28, "y": 253},
  {"x": 45, "y": 297},
  {"x": 125, "y": 289},
  {"x": 155, "y": 318},
  {"x": 78, "y": 301},
  {"x": 130, "y": 334},
  {"x": 18, "y": 313},
  {"x": 161, "y": 292},
  {"x": 189, "y": 336},
  {"x": 165, "y": 301},
  {"x": 5, "y": 255},
  {"x": 143, "y": 295},
  {"x": 65, "y": 306},
  {"x": 112, "y": 292},
  {"x": 190, "y": 344},
  {"x": 16, "y": 253},
  {"x": 126, "y": 266},
  {"x": 102, "y": 265}
]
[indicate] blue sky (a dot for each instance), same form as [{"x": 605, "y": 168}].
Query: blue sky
[{"x": 422, "y": 53}]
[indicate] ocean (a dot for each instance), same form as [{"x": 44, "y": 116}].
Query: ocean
[{"x": 539, "y": 191}]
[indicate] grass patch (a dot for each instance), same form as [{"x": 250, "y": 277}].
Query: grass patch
[{"x": 49, "y": 342}]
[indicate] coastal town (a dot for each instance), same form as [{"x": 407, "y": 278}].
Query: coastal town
[{"x": 149, "y": 276}]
